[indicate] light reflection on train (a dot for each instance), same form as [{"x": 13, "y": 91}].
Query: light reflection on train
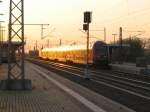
[{"x": 98, "y": 54}]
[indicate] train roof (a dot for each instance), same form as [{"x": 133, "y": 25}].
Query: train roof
[
  {"x": 119, "y": 46},
  {"x": 73, "y": 47}
]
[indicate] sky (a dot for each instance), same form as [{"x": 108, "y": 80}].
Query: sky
[{"x": 66, "y": 19}]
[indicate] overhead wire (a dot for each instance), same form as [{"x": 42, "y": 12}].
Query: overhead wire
[
  {"x": 128, "y": 15},
  {"x": 135, "y": 13},
  {"x": 125, "y": 18}
]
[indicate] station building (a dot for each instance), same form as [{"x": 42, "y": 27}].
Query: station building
[{"x": 4, "y": 51}]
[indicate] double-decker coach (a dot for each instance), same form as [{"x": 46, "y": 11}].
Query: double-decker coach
[{"x": 98, "y": 53}]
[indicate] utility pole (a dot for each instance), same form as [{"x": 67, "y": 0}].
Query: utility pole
[
  {"x": 36, "y": 43},
  {"x": 19, "y": 5},
  {"x": 1, "y": 36},
  {"x": 104, "y": 34},
  {"x": 42, "y": 27},
  {"x": 60, "y": 42},
  {"x": 0, "y": 46},
  {"x": 2, "y": 31},
  {"x": 48, "y": 43},
  {"x": 87, "y": 46},
  {"x": 120, "y": 41},
  {"x": 120, "y": 36},
  {"x": 20, "y": 33},
  {"x": 114, "y": 37},
  {"x": 16, "y": 80},
  {"x": 42, "y": 30}
]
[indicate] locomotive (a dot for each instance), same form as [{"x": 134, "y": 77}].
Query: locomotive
[{"x": 98, "y": 54}]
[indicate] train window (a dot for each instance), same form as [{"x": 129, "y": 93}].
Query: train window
[{"x": 101, "y": 49}]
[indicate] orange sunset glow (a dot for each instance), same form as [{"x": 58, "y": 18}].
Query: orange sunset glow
[
  {"x": 75, "y": 55},
  {"x": 66, "y": 18}
]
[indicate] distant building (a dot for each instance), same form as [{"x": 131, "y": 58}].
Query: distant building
[
  {"x": 4, "y": 51},
  {"x": 33, "y": 53}
]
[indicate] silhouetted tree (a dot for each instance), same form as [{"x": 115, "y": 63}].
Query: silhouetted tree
[
  {"x": 147, "y": 50},
  {"x": 135, "y": 50},
  {"x": 146, "y": 42}
]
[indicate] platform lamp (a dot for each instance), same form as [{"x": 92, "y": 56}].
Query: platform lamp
[{"x": 87, "y": 21}]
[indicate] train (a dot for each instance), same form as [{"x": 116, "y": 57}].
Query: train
[{"x": 98, "y": 54}]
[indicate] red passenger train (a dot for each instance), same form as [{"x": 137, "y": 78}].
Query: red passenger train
[{"x": 98, "y": 54}]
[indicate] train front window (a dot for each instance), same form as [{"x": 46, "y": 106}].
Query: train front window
[{"x": 101, "y": 50}]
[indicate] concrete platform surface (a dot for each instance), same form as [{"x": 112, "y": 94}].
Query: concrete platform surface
[
  {"x": 23, "y": 101},
  {"x": 45, "y": 96},
  {"x": 52, "y": 93}
]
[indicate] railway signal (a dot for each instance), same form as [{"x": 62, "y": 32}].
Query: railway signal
[
  {"x": 87, "y": 17},
  {"x": 85, "y": 27},
  {"x": 87, "y": 21}
]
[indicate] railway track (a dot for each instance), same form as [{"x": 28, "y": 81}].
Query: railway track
[
  {"x": 141, "y": 77},
  {"x": 138, "y": 88},
  {"x": 114, "y": 78}
]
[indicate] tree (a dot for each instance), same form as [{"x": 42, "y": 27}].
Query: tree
[
  {"x": 147, "y": 50},
  {"x": 135, "y": 50},
  {"x": 146, "y": 42}
]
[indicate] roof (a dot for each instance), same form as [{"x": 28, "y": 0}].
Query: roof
[
  {"x": 14, "y": 43},
  {"x": 66, "y": 48},
  {"x": 118, "y": 45},
  {"x": 71, "y": 47}
]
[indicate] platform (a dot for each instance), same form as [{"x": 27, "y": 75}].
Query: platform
[
  {"x": 128, "y": 67},
  {"x": 52, "y": 93}
]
